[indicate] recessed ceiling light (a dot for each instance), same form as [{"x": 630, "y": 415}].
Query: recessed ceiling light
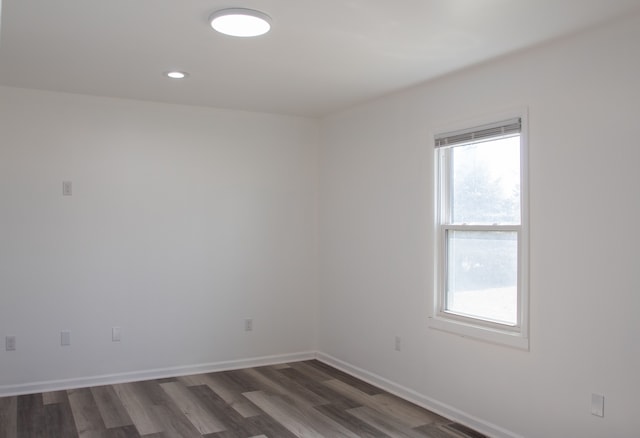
[
  {"x": 240, "y": 22},
  {"x": 176, "y": 74}
]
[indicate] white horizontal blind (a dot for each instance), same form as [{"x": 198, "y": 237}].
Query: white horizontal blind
[{"x": 479, "y": 134}]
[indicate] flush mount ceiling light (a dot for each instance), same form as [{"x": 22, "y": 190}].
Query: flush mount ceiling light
[
  {"x": 240, "y": 22},
  {"x": 176, "y": 74}
]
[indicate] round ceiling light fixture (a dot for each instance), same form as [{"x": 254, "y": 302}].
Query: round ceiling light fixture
[
  {"x": 176, "y": 74},
  {"x": 240, "y": 22}
]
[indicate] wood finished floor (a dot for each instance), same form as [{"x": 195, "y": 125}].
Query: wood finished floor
[{"x": 302, "y": 399}]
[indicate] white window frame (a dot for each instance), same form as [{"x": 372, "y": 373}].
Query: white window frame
[{"x": 513, "y": 336}]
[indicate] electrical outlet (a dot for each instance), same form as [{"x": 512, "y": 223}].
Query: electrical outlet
[
  {"x": 248, "y": 324},
  {"x": 10, "y": 343},
  {"x": 597, "y": 405},
  {"x": 67, "y": 188},
  {"x": 65, "y": 338},
  {"x": 116, "y": 334},
  {"x": 398, "y": 343}
]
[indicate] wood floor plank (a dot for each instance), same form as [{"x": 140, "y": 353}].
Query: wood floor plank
[
  {"x": 138, "y": 406},
  {"x": 407, "y": 412},
  {"x": 53, "y": 397},
  {"x": 234, "y": 422},
  {"x": 238, "y": 379},
  {"x": 30, "y": 419},
  {"x": 291, "y": 386},
  {"x": 9, "y": 417},
  {"x": 348, "y": 391},
  {"x": 436, "y": 431},
  {"x": 269, "y": 426},
  {"x": 354, "y": 424},
  {"x": 111, "y": 409},
  {"x": 226, "y": 389},
  {"x": 302, "y": 422},
  {"x": 85, "y": 411},
  {"x": 174, "y": 424},
  {"x": 317, "y": 387},
  {"x": 311, "y": 372},
  {"x": 118, "y": 432},
  {"x": 170, "y": 419},
  {"x": 58, "y": 418},
  {"x": 386, "y": 424},
  {"x": 292, "y": 421},
  {"x": 267, "y": 382},
  {"x": 193, "y": 380},
  {"x": 462, "y": 430},
  {"x": 281, "y": 366},
  {"x": 204, "y": 421},
  {"x": 223, "y": 434},
  {"x": 365, "y": 387}
]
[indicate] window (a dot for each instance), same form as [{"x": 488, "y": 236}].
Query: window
[{"x": 481, "y": 273}]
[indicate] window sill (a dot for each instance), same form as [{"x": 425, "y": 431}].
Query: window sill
[{"x": 479, "y": 332}]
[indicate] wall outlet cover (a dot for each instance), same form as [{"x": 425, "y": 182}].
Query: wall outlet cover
[{"x": 597, "y": 405}]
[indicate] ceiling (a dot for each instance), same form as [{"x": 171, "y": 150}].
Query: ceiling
[{"x": 321, "y": 55}]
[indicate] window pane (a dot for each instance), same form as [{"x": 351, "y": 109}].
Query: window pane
[
  {"x": 485, "y": 184},
  {"x": 482, "y": 275}
]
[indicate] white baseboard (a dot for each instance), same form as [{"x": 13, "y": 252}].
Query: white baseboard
[
  {"x": 443, "y": 409},
  {"x": 160, "y": 373},
  {"x": 408, "y": 394}
]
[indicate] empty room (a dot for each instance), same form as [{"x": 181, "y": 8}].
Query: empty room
[{"x": 359, "y": 218}]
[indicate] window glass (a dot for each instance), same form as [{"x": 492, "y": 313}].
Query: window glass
[
  {"x": 482, "y": 279},
  {"x": 486, "y": 182}
]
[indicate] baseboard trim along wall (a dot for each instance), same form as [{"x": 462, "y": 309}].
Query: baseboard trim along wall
[
  {"x": 439, "y": 408},
  {"x": 445, "y": 410},
  {"x": 160, "y": 373}
]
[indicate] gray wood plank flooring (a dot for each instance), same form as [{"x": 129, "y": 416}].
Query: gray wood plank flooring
[{"x": 303, "y": 399}]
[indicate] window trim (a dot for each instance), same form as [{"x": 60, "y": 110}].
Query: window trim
[{"x": 512, "y": 336}]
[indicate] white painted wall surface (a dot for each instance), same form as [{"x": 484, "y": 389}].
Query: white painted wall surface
[
  {"x": 183, "y": 222},
  {"x": 376, "y": 256}
]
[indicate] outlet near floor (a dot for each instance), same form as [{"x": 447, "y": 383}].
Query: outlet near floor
[
  {"x": 597, "y": 405},
  {"x": 10, "y": 343},
  {"x": 398, "y": 343}
]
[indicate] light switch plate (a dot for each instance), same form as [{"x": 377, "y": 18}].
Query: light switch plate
[
  {"x": 65, "y": 338},
  {"x": 597, "y": 405}
]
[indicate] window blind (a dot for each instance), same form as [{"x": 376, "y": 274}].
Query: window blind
[{"x": 479, "y": 134}]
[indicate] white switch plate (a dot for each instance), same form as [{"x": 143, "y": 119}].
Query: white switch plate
[
  {"x": 65, "y": 338},
  {"x": 597, "y": 405},
  {"x": 248, "y": 325},
  {"x": 10, "y": 343},
  {"x": 67, "y": 188},
  {"x": 398, "y": 343},
  {"x": 116, "y": 334}
]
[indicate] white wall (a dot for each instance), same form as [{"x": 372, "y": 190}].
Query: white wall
[
  {"x": 376, "y": 242},
  {"x": 183, "y": 221}
]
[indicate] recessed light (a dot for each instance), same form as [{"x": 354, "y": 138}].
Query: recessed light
[
  {"x": 240, "y": 22},
  {"x": 176, "y": 74}
]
